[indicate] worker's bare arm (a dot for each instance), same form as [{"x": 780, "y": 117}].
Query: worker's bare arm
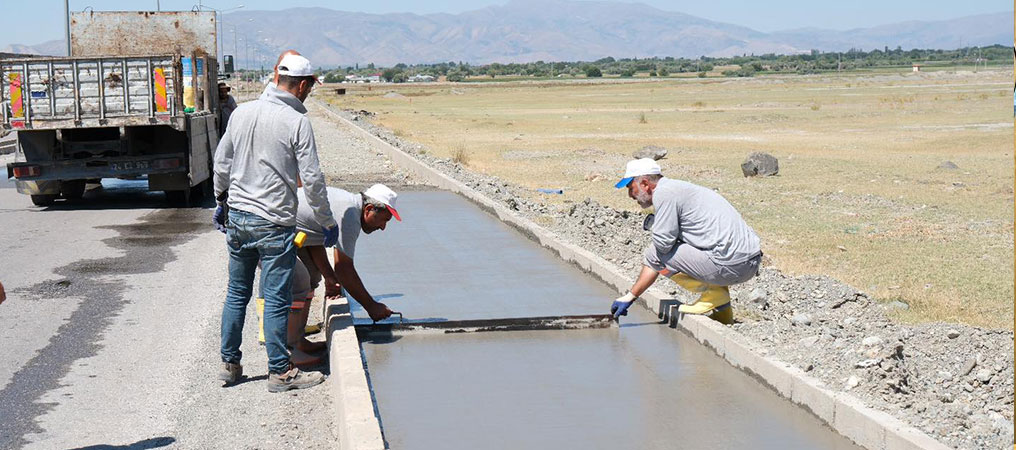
[
  {"x": 646, "y": 278},
  {"x": 350, "y": 280},
  {"x": 320, "y": 258}
]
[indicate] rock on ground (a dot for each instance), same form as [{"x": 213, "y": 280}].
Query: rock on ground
[{"x": 760, "y": 164}]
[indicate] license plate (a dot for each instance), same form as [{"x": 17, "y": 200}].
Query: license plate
[{"x": 128, "y": 165}]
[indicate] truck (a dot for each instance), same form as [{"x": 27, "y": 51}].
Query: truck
[{"x": 136, "y": 99}]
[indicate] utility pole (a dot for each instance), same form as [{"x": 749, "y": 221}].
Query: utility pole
[{"x": 67, "y": 28}]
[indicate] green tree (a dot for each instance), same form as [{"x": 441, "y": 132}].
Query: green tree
[
  {"x": 389, "y": 74},
  {"x": 593, "y": 72}
]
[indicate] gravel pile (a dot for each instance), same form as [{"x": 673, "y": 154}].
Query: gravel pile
[{"x": 952, "y": 381}]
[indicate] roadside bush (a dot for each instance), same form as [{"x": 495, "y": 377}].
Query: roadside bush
[
  {"x": 593, "y": 72},
  {"x": 627, "y": 73}
]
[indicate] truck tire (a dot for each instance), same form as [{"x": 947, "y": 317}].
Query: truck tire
[
  {"x": 72, "y": 189},
  {"x": 43, "y": 199}
]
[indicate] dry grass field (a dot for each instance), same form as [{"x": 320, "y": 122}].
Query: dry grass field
[{"x": 859, "y": 197}]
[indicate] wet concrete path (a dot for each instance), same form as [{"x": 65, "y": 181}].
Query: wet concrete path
[{"x": 642, "y": 385}]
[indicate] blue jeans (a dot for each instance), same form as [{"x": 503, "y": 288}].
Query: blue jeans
[{"x": 250, "y": 239}]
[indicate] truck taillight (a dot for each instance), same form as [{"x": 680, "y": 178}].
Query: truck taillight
[
  {"x": 27, "y": 171},
  {"x": 168, "y": 163}
]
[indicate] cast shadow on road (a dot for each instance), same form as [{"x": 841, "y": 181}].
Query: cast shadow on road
[
  {"x": 246, "y": 379},
  {"x": 125, "y": 194},
  {"x": 140, "y": 445}
]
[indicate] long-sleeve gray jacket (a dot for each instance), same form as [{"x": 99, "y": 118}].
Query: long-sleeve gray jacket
[
  {"x": 699, "y": 217},
  {"x": 269, "y": 143}
]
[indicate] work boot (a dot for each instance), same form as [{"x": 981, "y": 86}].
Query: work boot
[
  {"x": 293, "y": 379},
  {"x": 231, "y": 372},
  {"x": 713, "y": 302},
  {"x": 691, "y": 285}
]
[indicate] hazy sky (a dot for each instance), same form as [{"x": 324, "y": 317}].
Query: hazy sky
[{"x": 35, "y": 21}]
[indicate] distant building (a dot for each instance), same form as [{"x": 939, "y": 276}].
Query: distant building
[
  {"x": 917, "y": 67},
  {"x": 421, "y": 79},
  {"x": 376, "y": 78}
]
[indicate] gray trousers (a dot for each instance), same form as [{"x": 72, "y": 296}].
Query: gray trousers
[
  {"x": 698, "y": 265},
  {"x": 306, "y": 276}
]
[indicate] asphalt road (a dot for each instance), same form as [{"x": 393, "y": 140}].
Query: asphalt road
[{"x": 110, "y": 332}]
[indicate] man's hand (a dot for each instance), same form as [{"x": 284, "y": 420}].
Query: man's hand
[
  {"x": 332, "y": 289},
  {"x": 219, "y": 216},
  {"x": 378, "y": 311},
  {"x": 331, "y": 236},
  {"x": 620, "y": 306}
]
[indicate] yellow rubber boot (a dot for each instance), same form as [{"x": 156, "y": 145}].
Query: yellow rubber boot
[
  {"x": 260, "y": 305},
  {"x": 713, "y": 300},
  {"x": 692, "y": 285}
]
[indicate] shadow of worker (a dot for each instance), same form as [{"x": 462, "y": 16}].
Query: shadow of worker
[{"x": 155, "y": 442}]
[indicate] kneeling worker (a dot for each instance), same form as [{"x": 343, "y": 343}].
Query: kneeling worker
[
  {"x": 367, "y": 212},
  {"x": 698, "y": 240}
]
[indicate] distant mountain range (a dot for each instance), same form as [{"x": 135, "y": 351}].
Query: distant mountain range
[{"x": 557, "y": 30}]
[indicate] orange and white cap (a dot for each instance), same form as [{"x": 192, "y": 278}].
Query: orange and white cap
[{"x": 384, "y": 195}]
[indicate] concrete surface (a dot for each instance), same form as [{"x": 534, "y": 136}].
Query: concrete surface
[
  {"x": 447, "y": 259},
  {"x": 638, "y": 386},
  {"x": 885, "y": 432},
  {"x": 110, "y": 332}
]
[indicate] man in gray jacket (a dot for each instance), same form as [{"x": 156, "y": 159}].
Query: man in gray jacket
[
  {"x": 699, "y": 240},
  {"x": 268, "y": 145}
]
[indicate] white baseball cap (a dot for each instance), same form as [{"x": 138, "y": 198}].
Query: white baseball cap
[
  {"x": 295, "y": 66},
  {"x": 384, "y": 195},
  {"x": 638, "y": 167}
]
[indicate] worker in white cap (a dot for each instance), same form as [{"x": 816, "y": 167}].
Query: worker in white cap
[
  {"x": 268, "y": 145},
  {"x": 364, "y": 212},
  {"x": 698, "y": 240}
]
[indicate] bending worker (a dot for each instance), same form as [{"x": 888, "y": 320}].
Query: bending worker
[
  {"x": 698, "y": 240},
  {"x": 268, "y": 144},
  {"x": 368, "y": 212}
]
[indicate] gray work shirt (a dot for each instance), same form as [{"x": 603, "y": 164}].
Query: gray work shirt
[
  {"x": 347, "y": 208},
  {"x": 699, "y": 217},
  {"x": 269, "y": 143}
]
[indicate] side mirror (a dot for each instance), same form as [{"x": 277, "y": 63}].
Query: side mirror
[{"x": 647, "y": 223}]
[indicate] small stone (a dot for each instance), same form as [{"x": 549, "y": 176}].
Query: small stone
[
  {"x": 801, "y": 320},
  {"x": 852, "y": 382},
  {"x": 897, "y": 305},
  {"x": 952, "y": 334},
  {"x": 650, "y": 151},
  {"x": 809, "y": 341},
  {"x": 849, "y": 321},
  {"x": 968, "y": 387},
  {"x": 809, "y": 367},
  {"x": 968, "y": 366},
  {"x": 866, "y": 363},
  {"x": 841, "y": 248},
  {"x": 871, "y": 341},
  {"x": 945, "y": 376},
  {"x": 946, "y": 398},
  {"x": 984, "y": 376},
  {"x": 760, "y": 164},
  {"x": 948, "y": 165},
  {"x": 757, "y": 296}
]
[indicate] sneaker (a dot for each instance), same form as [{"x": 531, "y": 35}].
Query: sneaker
[
  {"x": 293, "y": 379},
  {"x": 231, "y": 372}
]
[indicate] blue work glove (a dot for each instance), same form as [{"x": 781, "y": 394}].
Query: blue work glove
[
  {"x": 331, "y": 236},
  {"x": 620, "y": 306},
  {"x": 219, "y": 216}
]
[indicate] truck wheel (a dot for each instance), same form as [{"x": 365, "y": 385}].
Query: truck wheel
[
  {"x": 72, "y": 189},
  {"x": 43, "y": 199}
]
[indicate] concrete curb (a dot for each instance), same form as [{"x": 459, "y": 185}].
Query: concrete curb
[
  {"x": 357, "y": 424},
  {"x": 872, "y": 429}
]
